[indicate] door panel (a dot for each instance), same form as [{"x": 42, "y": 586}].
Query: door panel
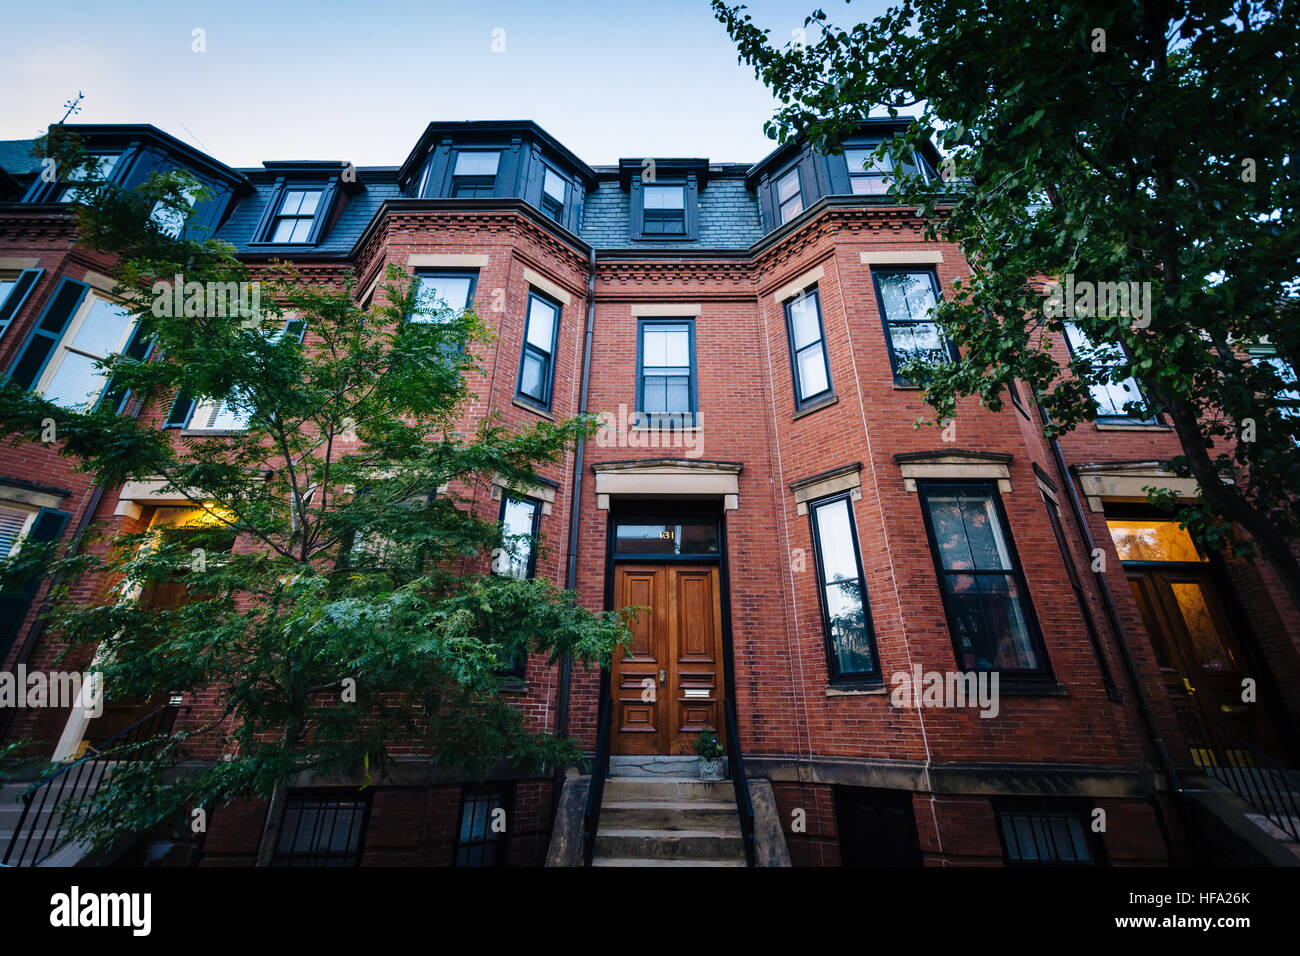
[{"x": 669, "y": 686}]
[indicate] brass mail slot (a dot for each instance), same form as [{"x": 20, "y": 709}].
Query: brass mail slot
[{"x": 693, "y": 692}]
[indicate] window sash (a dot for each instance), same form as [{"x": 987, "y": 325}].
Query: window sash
[
  {"x": 867, "y": 180},
  {"x": 296, "y": 215},
  {"x": 1037, "y": 837},
  {"x": 985, "y": 594},
  {"x": 1111, "y": 396},
  {"x": 476, "y": 843},
  {"x": 318, "y": 831},
  {"x": 809, "y": 360},
  {"x": 475, "y": 173},
  {"x": 842, "y": 590},
  {"x": 440, "y": 291},
  {"x": 666, "y": 391},
  {"x": 71, "y": 373},
  {"x": 15, "y": 522},
  {"x": 554, "y": 193},
  {"x": 910, "y": 330}
]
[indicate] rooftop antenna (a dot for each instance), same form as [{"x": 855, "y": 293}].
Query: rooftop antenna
[{"x": 73, "y": 106}]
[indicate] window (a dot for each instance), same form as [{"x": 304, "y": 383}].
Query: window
[
  {"x": 808, "y": 358},
  {"x": 1287, "y": 398},
  {"x": 99, "y": 329},
  {"x": 519, "y": 523},
  {"x": 321, "y": 831},
  {"x": 681, "y": 537},
  {"x": 984, "y": 591},
  {"x": 1114, "y": 395},
  {"x": 475, "y": 174},
  {"x": 536, "y": 363},
  {"x": 906, "y": 300},
  {"x": 553, "y": 194},
  {"x": 663, "y": 210},
  {"x": 15, "y": 522},
  {"x": 234, "y": 412},
  {"x": 15, "y": 287},
  {"x": 171, "y": 221},
  {"x": 296, "y": 215},
  {"x": 1037, "y": 835},
  {"x": 666, "y": 373},
  {"x": 443, "y": 295},
  {"x": 846, "y": 616},
  {"x": 868, "y": 176},
  {"x": 98, "y": 166},
  {"x": 789, "y": 197},
  {"x": 482, "y": 830}
]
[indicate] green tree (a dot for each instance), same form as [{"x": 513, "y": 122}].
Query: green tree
[
  {"x": 352, "y": 611},
  {"x": 1147, "y": 142}
]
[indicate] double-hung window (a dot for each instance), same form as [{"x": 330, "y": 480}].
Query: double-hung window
[
  {"x": 868, "y": 176},
  {"x": 15, "y": 521},
  {"x": 15, "y": 287},
  {"x": 846, "y": 614},
  {"x": 98, "y": 166},
  {"x": 293, "y": 220},
  {"x": 475, "y": 173},
  {"x": 808, "y": 357},
  {"x": 233, "y": 412},
  {"x": 553, "y": 194},
  {"x": 99, "y": 329},
  {"x": 984, "y": 592},
  {"x": 520, "y": 520},
  {"x": 666, "y": 391},
  {"x": 443, "y": 295},
  {"x": 1118, "y": 399},
  {"x": 789, "y": 196},
  {"x": 663, "y": 210},
  {"x": 537, "y": 361},
  {"x": 907, "y": 300}
]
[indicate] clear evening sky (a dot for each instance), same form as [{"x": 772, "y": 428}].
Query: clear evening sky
[{"x": 358, "y": 80}]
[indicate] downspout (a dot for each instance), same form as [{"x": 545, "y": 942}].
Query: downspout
[
  {"x": 1121, "y": 640},
  {"x": 575, "y": 501}
]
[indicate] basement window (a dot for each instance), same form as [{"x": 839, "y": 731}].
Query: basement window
[
  {"x": 482, "y": 831},
  {"x": 321, "y": 830},
  {"x": 1041, "y": 834}
]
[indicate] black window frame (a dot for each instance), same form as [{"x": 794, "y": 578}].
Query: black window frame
[
  {"x": 303, "y": 798},
  {"x": 1005, "y": 808},
  {"x": 777, "y": 205},
  {"x": 526, "y": 348},
  {"x": 1153, "y": 417},
  {"x": 550, "y": 206},
  {"x": 828, "y": 393},
  {"x": 835, "y": 675},
  {"x": 517, "y": 667},
  {"x": 275, "y": 213},
  {"x": 1044, "y": 671},
  {"x": 885, "y": 324},
  {"x": 436, "y": 273},
  {"x": 115, "y": 175},
  {"x": 666, "y": 419},
  {"x": 483, "y": 187},
  {"x": 497, "y": 796},
  {"x": 863, "y": 174}
]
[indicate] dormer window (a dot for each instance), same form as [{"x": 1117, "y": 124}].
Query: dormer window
[
  {"x": 868, "y": 176},
  {"x": 553, "y": 195},
  {"x": 475, "y": 174},
  {"x": 99, "y": 166},
  {"x": 789, "y": 196},
  {"x": 296, "y": 216},
  {"x": 664, "y": 210}
]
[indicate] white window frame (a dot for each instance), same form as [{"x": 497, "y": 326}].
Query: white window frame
[
  {"x": 28, "y": 521},
  {"x": 64, "y": 346}
]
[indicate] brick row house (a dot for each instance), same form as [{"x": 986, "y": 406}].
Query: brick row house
[{"x": 759, "y": 485}]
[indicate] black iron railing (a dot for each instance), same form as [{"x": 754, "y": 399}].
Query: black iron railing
[
  {"x": 43, "y": 824},
  {"x": 1266, "y": 786},
  {"x": 596, "y": 789},
  {"x": 739, "y": 782}
]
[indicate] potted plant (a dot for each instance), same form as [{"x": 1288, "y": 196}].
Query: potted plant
[{"x": 710, "y": 752}]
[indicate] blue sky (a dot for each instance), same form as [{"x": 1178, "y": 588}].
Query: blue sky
[{"x": 358, "y": 80}]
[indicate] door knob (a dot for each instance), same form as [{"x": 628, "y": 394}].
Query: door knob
[
  {"x": 1186, "y": 683},
  {"x": 663, "y": 676}
]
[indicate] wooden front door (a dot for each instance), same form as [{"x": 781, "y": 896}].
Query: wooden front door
[
  {"x": 1200, "y": 659},
  {"x": 669, "y": 686}
]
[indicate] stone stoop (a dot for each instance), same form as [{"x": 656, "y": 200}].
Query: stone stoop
[{"x": 672, "y": 821}]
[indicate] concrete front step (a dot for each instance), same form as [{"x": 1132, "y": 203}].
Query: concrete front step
[
  {"x": 652, "y": 766},
  {"x": 623, "y": 789},
  {"x": 616, "y": 861},
  {"x": 669, "y": 815},
  {"x": 669, "y": 844}
]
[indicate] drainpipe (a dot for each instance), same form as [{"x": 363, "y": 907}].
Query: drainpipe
[
  {"x": 1121, "y": 640},
  {"x": 575, "y": 501}
]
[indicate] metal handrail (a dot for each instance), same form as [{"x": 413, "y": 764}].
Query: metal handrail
[
  {"x": 83, "y": 784},
  {"x": 1258, "y": 780},
  {"x": 739, "y": 782},
  {"x": 596, "y": 789}
]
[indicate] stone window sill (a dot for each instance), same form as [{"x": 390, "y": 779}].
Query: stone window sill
[{"x": 809, "y": 409}]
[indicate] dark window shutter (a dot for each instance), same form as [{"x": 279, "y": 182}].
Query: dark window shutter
[
  {"x": 17, "y": 296},
  {"x": 15, "y": 599},
  {"x": 182, "y": 408},
  {"x": 36, "y": 352},
  {"x": 137, "y": 348}
]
